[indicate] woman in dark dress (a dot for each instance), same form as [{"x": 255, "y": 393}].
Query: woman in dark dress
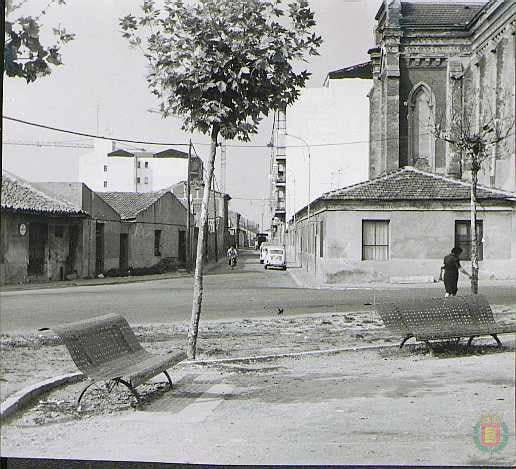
[{"x": 451, "y": 267}]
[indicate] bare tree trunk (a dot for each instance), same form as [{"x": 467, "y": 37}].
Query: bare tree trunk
[
  {"x": 474, "y": 241},
  {"x": 199, "y": 261}
]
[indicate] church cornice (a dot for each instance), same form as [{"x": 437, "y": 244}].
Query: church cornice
[{"x": 423, "y": 62}]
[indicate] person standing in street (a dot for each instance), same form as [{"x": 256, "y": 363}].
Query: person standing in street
[{"x": 451, "y": 267}]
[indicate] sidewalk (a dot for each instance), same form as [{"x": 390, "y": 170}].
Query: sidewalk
[
  {"x": 303, "y": 279},
  {"x": 367, "y": 407},
  {"x": 108, "y": 280}
]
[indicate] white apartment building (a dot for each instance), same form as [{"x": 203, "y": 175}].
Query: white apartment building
[
  {"x": 119, "y": 170},
  {"x": 333, "y": 123}
]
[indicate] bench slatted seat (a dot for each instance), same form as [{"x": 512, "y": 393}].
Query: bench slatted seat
[
  {"x": 105, "y": 348},
  {"x": 442, "y": 318}
]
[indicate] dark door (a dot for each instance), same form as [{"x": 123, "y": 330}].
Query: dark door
[
  {"x": 124, "y": 251},
  {"x": 181, "y": 248},
  {"x": 38, "y": 237},
  {"x": 99, "y": 248},
  {"x": 72, "y": 249}
]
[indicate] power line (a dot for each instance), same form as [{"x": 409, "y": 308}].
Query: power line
[
  {"x": 144, "y": 142},
  {"x": 83, "y": 134},
  {"x": 50, "y": 144}
]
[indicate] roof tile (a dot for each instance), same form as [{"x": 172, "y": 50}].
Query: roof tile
[
  {"x": 130, "y": 204},
  {"x": 20, "y": 195},
  {"x": 439, "y": 14},
  {"x": 413, "y": 184}
]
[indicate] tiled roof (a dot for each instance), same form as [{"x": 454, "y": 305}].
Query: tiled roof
[
  {"x": 363, "y": 70},
  {"x": 130, "y": 204},
  {"x": 413, "y": 184},
  {"x": 171, "y": 153},
  {"x": 19, "y": 195},
  {"x": 439, "y": 14}
]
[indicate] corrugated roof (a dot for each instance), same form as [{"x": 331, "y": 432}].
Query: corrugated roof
[
  {"x": 439, "y": 14},
  {"x": 19, "y": 195},
  {"x": 129, "y": 204},
  {"x": 413, "y": 184}
]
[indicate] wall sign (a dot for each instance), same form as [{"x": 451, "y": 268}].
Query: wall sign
[{"x": 23, "y": 229}]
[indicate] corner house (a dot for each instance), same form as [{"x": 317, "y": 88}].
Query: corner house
[{"x": 402, "y": 224}]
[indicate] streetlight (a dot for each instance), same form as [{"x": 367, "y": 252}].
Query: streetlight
[
  {"x": 309, "y": 196},
  {"x": 309, "y": 175},
  {"x": 294, "y": 240}
]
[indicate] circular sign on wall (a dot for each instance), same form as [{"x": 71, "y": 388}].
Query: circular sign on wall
[{"x": 23, "y": 229}]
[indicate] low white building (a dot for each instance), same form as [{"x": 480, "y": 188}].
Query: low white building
[{"x": 110, "y": 169}]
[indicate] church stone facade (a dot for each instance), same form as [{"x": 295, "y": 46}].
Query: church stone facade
[{"x": 433, "y": 62}]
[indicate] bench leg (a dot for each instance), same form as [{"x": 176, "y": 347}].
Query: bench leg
[
  {"x": 83, "y": 391},
  {"x": 404, "y": 340},
  {"x": 495, "y": 337},
  {"x": 132, "y": 389},
  {"x": 168, "y": 377}
]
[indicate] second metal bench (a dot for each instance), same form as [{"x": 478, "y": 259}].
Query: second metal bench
[{"x": 442, "y": 318}]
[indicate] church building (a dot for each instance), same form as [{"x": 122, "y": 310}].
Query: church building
[{"x": 434, "y": 63}]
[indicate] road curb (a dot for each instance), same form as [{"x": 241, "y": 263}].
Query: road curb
[
  {"x": 295, "y": 354},
  {"x": 25, "y": 395}
]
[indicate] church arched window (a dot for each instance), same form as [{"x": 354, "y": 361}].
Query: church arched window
[{"x": 421, "y": 122}]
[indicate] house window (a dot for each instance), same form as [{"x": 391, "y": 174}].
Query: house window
[
  {"x": 157, "y": 241},
  {"x": 105, "y": 184},
  {"x": 58, "y": 231},
  {"x": 138, "y": 180},
  {"x": 105, "y": 168},
  {"x": 463, "y": 239},
  {"x": 138, "y": 165},
  {"x": 375, "y": 240},
  {"x": 146, "y": 164},
  {"x": 146, "y": 180}
]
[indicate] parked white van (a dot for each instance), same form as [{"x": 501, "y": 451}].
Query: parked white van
[{"x": 276, "y": 257}]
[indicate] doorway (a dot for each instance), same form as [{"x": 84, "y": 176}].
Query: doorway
[
  {"x": 181, "y": 248},
  {"x": 124, "y": 252},
  {"x": 38, "y": 238},
  {"x": 99, "y": 248},
  {"x": 72, "y": 249}
]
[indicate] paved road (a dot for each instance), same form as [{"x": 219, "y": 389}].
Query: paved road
[{"x": 247, "y": 291}]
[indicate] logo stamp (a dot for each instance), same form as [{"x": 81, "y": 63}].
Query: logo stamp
[{"x": 490, "y": 433}]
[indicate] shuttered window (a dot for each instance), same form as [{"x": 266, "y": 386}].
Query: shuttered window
[{"x": 375, "y": 240}]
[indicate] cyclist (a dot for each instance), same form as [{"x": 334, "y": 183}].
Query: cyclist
[{"x": 232, "y": 256}]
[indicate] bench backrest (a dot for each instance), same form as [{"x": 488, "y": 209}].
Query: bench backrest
[
  {"x": 438, "y": 317},
  {"x": 94, "y": 342}
]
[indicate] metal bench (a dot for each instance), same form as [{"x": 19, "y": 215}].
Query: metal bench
[
  {"x": 442, "y": 318},
  {"x": 105, "y": 349}
]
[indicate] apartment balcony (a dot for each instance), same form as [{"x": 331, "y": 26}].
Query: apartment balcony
[{"x": 280, "y": 206}]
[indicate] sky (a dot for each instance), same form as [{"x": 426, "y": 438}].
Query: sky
[{"x": 101, "y": 89}]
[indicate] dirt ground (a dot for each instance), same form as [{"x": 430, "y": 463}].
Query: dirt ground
[
  {"x": 27, "y": 359},
  {"x": 399, "y": 407}
]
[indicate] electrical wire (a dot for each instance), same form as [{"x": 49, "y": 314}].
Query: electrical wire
[{"x": 145, "y": 142}]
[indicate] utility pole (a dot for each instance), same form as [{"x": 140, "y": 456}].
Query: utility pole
[
  {"x": 188, "y": 208},
  {"x": 215, "y": 218}
]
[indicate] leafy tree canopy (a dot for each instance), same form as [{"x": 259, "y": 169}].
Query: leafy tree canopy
[
  {"x": 24, "y": 54},
  {"x": 224, "y": 64}
]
